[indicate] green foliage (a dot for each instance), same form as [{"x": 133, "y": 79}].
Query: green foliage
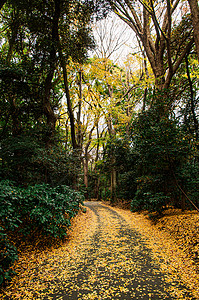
[
  {"x": 188, "y": 178},
  {"x": 150, "y": 194},
  {"x": 159, "y": 142},
  {"x": 44, "y": 207},
  {"x": 118, "y": 154},
  {"x": 26, "y": 160},
  {"x": 149, "y": 201},
  {"x": 8, "y": 256},
  {"x": 162, "y": 149},
  {"x": 36, "y": 208}
]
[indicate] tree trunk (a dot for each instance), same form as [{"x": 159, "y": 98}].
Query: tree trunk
[
  {"x": 85, "y": 166},
  {"x": 14, "y": 31},
  {"x": 113, "y": 185},
  {"x": 48, "y": 110},
  {"x": 155, "y": 34},
  {"x": 182, "y": 202},
  {"x": 19, "y": 167},
  {"x": 193, "y": 106},
  {"x": 69, "y": 105},
  {"x": 195, "y": 20},
  {"x": 86, "y": 159},
  {"x": 79, "y": 129},
  {"x": 86, "y": 172}
]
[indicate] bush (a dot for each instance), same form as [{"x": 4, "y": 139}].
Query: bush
[
  {"x": 153, "y": 202},
  {"x": 27, "y": 161},
  {"x": 8, "y": 256},
  {"x": 161, "y": 149},
  {"x": 188, "y": 179},
  {"x": 36, "y": 208}
]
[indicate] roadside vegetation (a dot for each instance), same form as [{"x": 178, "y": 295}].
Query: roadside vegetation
[{"x": 31, "y": 215}]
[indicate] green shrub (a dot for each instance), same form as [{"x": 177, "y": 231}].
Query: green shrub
[
  {"x": 188, "y": 179},
  {"x": 153, "y": 202},
  {"x": 36, "y": 208},
  {"x": 9, "y": 215},
  {"x": 162, "y": 149},
  {"x": 8, "y": 255},
  {"x": 26, "y": 160}
]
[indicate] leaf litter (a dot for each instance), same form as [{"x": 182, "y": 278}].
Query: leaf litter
[
  {"x": 174, "y": 241},
  {"x": 107, "y": 256}
]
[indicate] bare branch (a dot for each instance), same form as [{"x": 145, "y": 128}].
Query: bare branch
[
  {"x": 168, "y": 39},
  {"x": 178, "y": 62}
]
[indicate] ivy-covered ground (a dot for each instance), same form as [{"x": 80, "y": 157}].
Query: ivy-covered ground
[{"x": 110, "y": 253}]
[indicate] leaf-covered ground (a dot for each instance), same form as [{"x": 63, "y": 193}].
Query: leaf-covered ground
[
  {"x": 111, "y": 254},
  {"x": 184, "y": 227},
  {"x": 174, "y": 242}
]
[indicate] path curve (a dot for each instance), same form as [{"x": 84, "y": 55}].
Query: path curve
[{"x": 113, "y": 263}]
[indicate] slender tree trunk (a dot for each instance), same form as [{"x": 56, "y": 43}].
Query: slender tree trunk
[
  {"x": 69, "y": 105},
  {"x": 113, "y": 183},
  {"x": 147, "y": 76},
  {"x": 183, "y": 205},
  {"x": 112, "y": 157},
  {"x": 79, "y": 129},
  {"x": 48, "y": 110},
  {"x": 97, "y": 176},
  {"x": 85, "y": 166},
  {"x": 195, "y": 121},
  {"x": 98, "y": 192},
  {"x": 66, "y": 138},
  {"x": 195, "y": 20},
  {"x": 20, "y": 168},
  {"x": 97, "y": 149},
  {"x": 14, "y": 32},
  {"x": 112, "y": 162},
  {"x": 86, "y": 160}
]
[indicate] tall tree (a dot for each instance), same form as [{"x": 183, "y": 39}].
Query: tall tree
[
  {"x": 195, "y": 20},
  {"x": 155, "y": 25},
  {"x": 56, "y": 31},
  {"x": 37, "y": 40}
]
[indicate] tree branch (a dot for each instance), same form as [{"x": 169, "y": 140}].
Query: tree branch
[{"x": 178, "y": 62}]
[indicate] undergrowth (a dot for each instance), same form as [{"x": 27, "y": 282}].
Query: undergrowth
[{"x": 25, "y": 212}]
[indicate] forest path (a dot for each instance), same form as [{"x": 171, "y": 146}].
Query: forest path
[
  {"x": 107, "y": 257},
  {"x": 113, "y": 263}
]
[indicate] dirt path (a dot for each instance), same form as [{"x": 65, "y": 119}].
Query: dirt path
[{"x": 112, "y": 261}]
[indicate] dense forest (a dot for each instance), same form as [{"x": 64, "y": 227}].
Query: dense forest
[{"x": 77, "y": 122}]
